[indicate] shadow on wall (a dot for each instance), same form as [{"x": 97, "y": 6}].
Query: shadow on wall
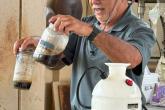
[{"x": 66, "y": 7}]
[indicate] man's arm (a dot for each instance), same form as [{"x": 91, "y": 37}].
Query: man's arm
[{"x": 118, "y": 50}]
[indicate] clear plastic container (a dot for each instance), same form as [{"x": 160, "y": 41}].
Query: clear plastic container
[
  {"x": 51, "y": 43},
  {"x": 24, "y": 69}
]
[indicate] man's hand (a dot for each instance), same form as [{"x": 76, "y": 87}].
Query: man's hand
[
  {"x": 23, "y": 43},
  {"x": 67, "y": 24}
]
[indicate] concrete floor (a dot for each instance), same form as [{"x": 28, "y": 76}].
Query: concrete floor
[{"x": 155, "y": 108}]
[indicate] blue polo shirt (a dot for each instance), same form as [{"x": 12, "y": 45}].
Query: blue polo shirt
[{"x": 84, "y": 54}]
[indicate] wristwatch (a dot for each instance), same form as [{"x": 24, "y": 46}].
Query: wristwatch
[{"x": 94, "y": 33}]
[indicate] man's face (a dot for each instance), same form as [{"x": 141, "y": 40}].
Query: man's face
[{"x": 102, "y": 8}]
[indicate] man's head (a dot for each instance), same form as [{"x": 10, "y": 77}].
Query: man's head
[{"x": 104, "y": 9}]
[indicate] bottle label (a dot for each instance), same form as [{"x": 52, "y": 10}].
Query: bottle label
[
  {"x": 46, "y": 44},
  {"x": 44, "y": 48},
  {"x": 23, "y": 68}
]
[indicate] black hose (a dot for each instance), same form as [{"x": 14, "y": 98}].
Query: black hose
[
  {"x": 144, "y": 107},
  {"x": 103, "y": 76}
]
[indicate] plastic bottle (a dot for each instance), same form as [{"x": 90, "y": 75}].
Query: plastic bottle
[{"x": 51, "y": 43}]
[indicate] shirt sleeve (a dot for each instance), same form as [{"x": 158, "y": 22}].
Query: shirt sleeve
[
  {"x": 143, "y": 39},
  {"x": 70, "y": 49}
]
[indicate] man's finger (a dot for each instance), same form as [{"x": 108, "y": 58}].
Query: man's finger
[
  {"x": 68, "y": 30},
  {"x": 63, "y": 26},
  {"x": 26, "y": 43},
  {"x": 57, "y": 23},
  {"x": 17, "y": 45},
  {"x": 53, "y": 19}
]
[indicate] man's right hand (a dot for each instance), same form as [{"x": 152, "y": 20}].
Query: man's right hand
[{"x": 23, "y": 43}]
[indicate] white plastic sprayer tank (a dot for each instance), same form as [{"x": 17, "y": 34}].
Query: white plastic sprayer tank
[{"x": 117, "y": 92}]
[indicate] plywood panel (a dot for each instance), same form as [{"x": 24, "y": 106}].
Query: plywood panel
[
  {"x": 65, "y": 74},
  {"x": 64, "y": 94},
  {"x": 56, "y": 99},
  {"x": 9, "y": 29},
  {"x": 61, "y": 96},
  {"x": 33, "y": 23}
]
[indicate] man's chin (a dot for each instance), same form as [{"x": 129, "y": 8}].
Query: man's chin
[{"x": 101, "y": 20}]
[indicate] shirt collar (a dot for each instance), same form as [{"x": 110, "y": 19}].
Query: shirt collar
[{"x": 123, "y": 22}]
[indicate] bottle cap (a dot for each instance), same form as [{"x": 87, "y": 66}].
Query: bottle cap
[{"x": 51, "y": 26}]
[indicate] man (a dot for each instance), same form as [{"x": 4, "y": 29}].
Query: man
[{"x": 113, "y": 34}]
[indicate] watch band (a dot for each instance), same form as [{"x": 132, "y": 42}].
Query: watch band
[{"x": 94, "y": 33}]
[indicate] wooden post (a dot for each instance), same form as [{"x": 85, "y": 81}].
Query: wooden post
[
  {"x": 33, "y": 24},
  {"x": 9, "y": 29}
]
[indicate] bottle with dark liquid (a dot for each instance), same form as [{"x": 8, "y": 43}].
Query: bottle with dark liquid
[
  {"x": 23, "y": 71},
  {"x": 51, "y": 43},
  {"x": 48, "y": 60}
]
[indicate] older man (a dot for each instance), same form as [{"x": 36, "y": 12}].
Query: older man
[{"x": 112, "y": 34}]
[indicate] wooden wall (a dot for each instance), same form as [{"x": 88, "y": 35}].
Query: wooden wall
[
  {"x": 39, "y": 97},
  {"x": 21, "y": 18},
  {"x": 9, "y": 29}
]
